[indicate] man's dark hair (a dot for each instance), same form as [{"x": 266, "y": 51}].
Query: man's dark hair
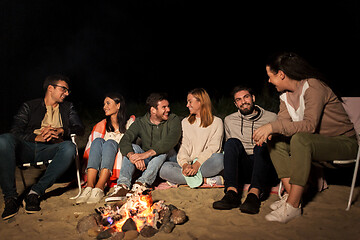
[
  {"x": 154, "y": 98},
  {"x": 241, "y": 88},
  {"x": 53, "y": 80}
]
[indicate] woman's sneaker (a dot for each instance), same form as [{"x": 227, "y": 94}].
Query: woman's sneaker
[
  {"x": 96, "y": 195},
  {"x": 217, "y": 180},
  {"x": 277, "y": 204},
  {"x": 284, "y": 214},
  {"x": 84, "y": 195}
]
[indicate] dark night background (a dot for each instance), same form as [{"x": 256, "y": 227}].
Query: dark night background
[{"x": 136, "y": 47}]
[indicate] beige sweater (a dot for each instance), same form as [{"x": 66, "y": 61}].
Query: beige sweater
[
  {"x": 319, "y": 111},
  {"x": 198, "y": 142}
]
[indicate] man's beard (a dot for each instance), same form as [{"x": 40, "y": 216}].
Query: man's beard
[{"x": 247, "y": 111}]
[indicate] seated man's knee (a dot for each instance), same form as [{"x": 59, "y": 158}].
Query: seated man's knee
[
  {"x": 261, "y": 149},
  {"x": 232, "y": 142},
  {"x": 68, "y": 148},
  {"x": 6, "y": 140}
]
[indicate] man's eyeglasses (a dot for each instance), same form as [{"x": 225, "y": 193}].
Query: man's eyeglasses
[{"x": 64, "y": 89}]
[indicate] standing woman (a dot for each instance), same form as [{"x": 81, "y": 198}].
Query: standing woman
[
  {"x": 199, "y": 159},
  {"x": 312, "y": 125},
  {"x": 102, "y": 149}
]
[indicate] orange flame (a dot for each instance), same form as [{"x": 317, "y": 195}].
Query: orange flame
[{"x": 143, "y": 209}]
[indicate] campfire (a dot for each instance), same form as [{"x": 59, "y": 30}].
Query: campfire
[{"x": 137, "y": 214}]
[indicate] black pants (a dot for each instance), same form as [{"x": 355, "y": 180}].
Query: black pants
[{"x": 241, "y": 168}]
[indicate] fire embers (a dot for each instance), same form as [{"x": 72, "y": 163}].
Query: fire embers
[{"x": 138, "y": 215}]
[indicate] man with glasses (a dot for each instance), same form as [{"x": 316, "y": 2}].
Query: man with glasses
[{"x": 40, "y": 131}]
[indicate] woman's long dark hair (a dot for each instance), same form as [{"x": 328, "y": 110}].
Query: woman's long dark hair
[
  {"x": 294, "y": 66},
  {"x": 297, "y": 68},
  {"x": 122, "y": 116}
]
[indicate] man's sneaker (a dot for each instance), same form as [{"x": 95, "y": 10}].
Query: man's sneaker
[
  {"x": 251, "y": 204},
  {"x": 139, "y": 187},
  {"x": 277, "y": 204},
  {"x": 284, "y": 214},
  {"x": 11, "y": 208},
  {"x": 84, "y": 195},
  {"x": 32, "y": 203},
  {"x": 118, "y": 194},
  {"x": 229, "y": 201}
]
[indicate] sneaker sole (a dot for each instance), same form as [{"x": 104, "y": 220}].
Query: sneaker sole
[
  {"x": 9, "y": 216},
  {"x": 114, "y": 199}
]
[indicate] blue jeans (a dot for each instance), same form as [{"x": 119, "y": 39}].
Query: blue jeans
[
  {"x": 241, "y": 168},
  {"x": 148, "y": 176},
  {"x": 102, "y": 154},
  {"x": 172, "y": 172},
  {"x": 15, "y": 151}
]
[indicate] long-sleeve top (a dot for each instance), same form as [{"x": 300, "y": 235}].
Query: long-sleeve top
[
  {"x": 316, "y": 109},
  {"x": 242, "y": 126},
  {"x": 161, "y": 138},
  {"x": 199, "y": 142}
]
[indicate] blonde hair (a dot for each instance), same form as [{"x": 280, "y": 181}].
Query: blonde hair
[{"x": 206, "y": 115}]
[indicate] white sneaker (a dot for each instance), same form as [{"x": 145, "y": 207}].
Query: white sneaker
[
  {"x": 137, "y": 188},
  {"x": 277, "y": 204},
  {"x": 84, "y": 195},
  {"x": 284, "y": 214},
  {"x": 96, "y": 195},
  {"x": 218, "y": 180}
]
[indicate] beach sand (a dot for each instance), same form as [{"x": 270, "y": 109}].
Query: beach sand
[{"x": 324, "y": 216}]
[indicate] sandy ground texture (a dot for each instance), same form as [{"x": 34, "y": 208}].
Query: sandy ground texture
[{"x": 324, "y": 216}]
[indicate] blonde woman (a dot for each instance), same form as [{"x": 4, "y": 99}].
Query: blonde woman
[{"x": 199, "y": 158}]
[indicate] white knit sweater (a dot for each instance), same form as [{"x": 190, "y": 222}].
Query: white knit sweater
[{"x": 199, "y": 142}]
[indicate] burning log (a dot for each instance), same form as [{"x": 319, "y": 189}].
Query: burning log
[{"x": 138, "y": 214}]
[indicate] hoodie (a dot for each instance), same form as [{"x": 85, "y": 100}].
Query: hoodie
[{"x": 242, "y": 126}]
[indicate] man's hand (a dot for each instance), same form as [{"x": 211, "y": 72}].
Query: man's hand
[
  {"x": 49, "y": 133},
  {"x": 186, "y": 168},
  {"x": 140, "y": 164},
  {"x": 138, "y": 158},
  {"x": 134, "y": 157}
]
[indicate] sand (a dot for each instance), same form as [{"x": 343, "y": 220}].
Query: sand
[{"x": 324, "y": 216}]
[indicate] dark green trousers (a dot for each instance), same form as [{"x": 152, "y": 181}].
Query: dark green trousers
[{"x": 292, "y": 156}]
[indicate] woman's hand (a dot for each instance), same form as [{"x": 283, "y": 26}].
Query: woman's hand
[
  {"x": 262, "y": 134},
  {"x": 186, "y": 169},
  {"x": 190, "y": 169}
]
